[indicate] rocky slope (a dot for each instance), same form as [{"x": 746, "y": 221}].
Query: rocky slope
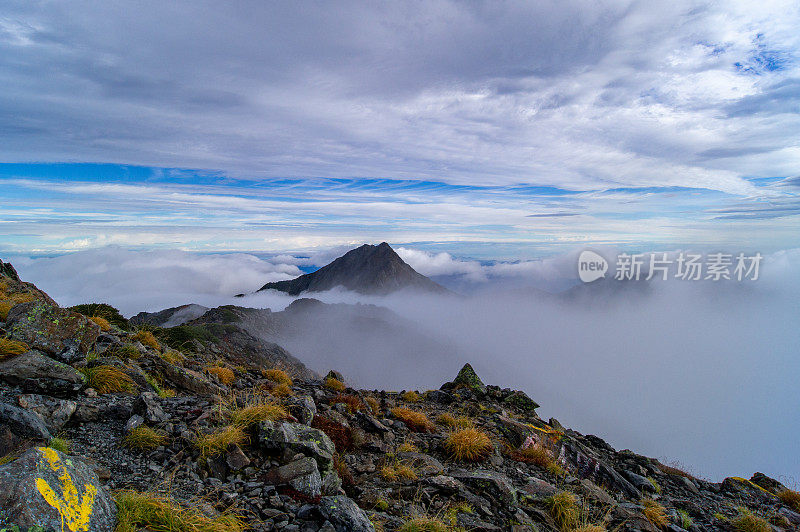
[
  {"x": 366, "y": 269},
  {"x": 106, "y": 427}
]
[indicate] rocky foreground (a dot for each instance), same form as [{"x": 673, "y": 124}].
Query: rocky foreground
[{"x": 104, "y": 426}]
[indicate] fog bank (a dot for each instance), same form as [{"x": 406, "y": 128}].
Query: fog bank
[{"x": 703, "y": 373}]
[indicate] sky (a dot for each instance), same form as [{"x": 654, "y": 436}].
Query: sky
[{"x": 502, "y": 130}]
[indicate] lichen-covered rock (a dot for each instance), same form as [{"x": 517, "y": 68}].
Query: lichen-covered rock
[
  {"x": 35, "y": 372},
  {"x": 62, "y": 334},
  {"x": 466, "y": 378},
  {"x": 345, "y": 515},
  {"x": 19, "y": 427},
  {"x": 299, "y": 439},
  {"x": 521, "y": 401},
  {"x": 53, "y": 491}
]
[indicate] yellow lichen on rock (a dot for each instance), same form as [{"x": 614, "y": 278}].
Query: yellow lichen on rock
[{"x": 75, "y": 511}]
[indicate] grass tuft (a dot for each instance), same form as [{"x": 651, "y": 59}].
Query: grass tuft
[
  {"x": 340, "y": 435},
  {"x": 60, "y": 444},
  {"x": 101, "y": 322},
  {"x": 686, "y": 521},
  {"x": 257, "y": 412},
  {"x": 150, "y": 511},
  {"x": 424, "y": 524},
  {"x": 144, "y": 438},
  {"x": 281, "y": 390},
  {"x": 225, "y": 375},
  {"x": 108, "y": 379},
  {"x": 334, "y": 385},
  {"x": 655, "y": 513},
  {"x": 353, "y": 402},
  {"x": 563, "y": 508},
  {"x": 468, "y": 445},
  {"x": 407, "y": 447},
  {"x": 410, "y": 397},
  {"x": 278, "y": 376},
  {"x": 449, "y": 420},
  {"x": 415, "y": 421},
  {"x": 748, "y": 522},
  {"x": 219, "y": 441},
  {"x": 373, "y": 404},
  {"x": 536, "y": 454},
  {"x": 10, "y": 348},
  {"x": 147, "y": 339},
  {"x": 791, "y": 499}
]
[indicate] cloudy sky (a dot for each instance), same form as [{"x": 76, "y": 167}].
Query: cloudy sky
[{"x": 502, "y": 129}]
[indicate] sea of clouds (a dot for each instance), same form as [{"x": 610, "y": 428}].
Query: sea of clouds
[{"x": 700, "y": 372}]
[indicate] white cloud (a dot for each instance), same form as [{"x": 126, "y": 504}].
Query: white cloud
[{"x": 137, "y": 281}]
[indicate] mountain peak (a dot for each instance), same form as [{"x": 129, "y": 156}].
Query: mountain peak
[{"x": 368, "y": 269}]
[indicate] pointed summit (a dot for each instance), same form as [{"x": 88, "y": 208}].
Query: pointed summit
[
  {"x": 366, "y": 269},
  {"x": 466, "y": 378}
]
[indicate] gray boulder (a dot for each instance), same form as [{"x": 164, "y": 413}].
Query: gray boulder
[
  {"x": 19, "y": 427},
  {"x": 298, "y": 439},
  {"x": 44, "y": 488},
  {"x": 147, "y": 405},
  {"x": 54, "y": 412},
  {"x": 35, "y": 372},
  {"x": 345, "y": 515}
]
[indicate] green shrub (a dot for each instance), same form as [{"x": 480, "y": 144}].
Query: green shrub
[{"x": 102, "y": 310}]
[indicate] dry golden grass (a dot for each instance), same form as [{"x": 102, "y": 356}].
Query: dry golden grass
[
  {"x": 676, "y": 469},
  {"x": 150, "y": 511},
  {"x": 747, "y": 522},
  {"x": 373, "y": 404},
  {"x": 353, "y": 402},
  {"x": 147, "y": 339},
  {"x": 334, "y": 385},
  {"x": 281, "y": 390},
  {"x": 393, "y": 473},
  {"x": 219, "y": 441},
  {"x": 10, "y": 348},
  {"x": 144, "y": 438},
  {"x": 791, "y": 499},
  {"x": 101, "y": 322},
  {"x": 468, "y": 445},
  {"x": 278, "y": 376},
  {"x": 590, "y": 528},
  {"x": 424, "y": 524},
  {"x": 655, "y": 513},
  {"x": 563, "y": 508},
  {"x": 9, "y": 301},
  {"x": 172, "y": 356},
  {"x": 225, "y": 375},
  {"x": 407, "y": 447},
  {"x": 449, "y": 420},
  {"x": 256, "y": 413},
  {"x": 108, "y": 379},
  {"x": 410, "y": 397},
  {"x": 415, "y": 421},
  {"x": 536, "y": 454}
]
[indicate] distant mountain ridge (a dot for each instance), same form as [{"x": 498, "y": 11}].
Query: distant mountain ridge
[{"x": 367, "y": 269}]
